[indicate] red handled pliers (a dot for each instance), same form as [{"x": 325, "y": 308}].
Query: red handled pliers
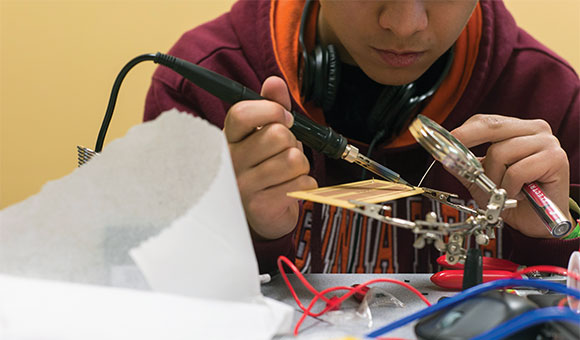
[{"x": 493, "y": 269}]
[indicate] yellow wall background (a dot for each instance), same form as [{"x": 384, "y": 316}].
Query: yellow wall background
[{"x": 58, "y": 61}]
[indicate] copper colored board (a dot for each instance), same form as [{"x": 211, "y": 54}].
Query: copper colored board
[{"x": 369, "y": 191}]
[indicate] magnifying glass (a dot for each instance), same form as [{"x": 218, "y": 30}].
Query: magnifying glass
[{"x": 459, "y": 160}]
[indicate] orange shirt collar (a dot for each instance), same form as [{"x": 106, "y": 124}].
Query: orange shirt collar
[{"x": 284, "y": 26}]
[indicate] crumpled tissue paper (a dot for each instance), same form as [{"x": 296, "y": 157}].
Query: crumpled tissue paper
[{"x": 157, "y": 210}]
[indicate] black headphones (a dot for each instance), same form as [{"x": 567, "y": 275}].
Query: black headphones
[
  {"x": 319, "y": 72},
  {"x": 319, "y": 76}
]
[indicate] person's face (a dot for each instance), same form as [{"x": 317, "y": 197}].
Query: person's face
[{"x": 395, "y": 41}]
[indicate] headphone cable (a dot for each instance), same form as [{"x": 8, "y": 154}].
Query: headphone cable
[{"x": 376, "y": 138}]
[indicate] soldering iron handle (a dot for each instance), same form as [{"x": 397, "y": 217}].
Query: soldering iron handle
[{"x": 317, "y": 137}]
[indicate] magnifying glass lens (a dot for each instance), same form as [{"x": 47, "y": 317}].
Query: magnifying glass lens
[{"x": 445, "y": 148}]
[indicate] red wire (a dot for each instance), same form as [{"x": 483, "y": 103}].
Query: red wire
[
  {"x": 548, "y": 269},
  {"x": 562, "y": 302},
  {"x": 330, "y": 304}
]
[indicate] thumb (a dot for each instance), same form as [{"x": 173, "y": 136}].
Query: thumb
[{"x": 275, "y": 89}]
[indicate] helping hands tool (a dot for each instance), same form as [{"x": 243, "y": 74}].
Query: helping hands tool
[
  {"x": 458, "y": 159},
  {"x": 482, "y": 221},
  {"x": 445, "y": 148}
]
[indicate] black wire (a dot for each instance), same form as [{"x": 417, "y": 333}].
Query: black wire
[
  {"x": 376, "y": 138},
  {"x": 113, "y": 97}
]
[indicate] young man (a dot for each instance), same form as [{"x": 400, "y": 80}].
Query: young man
[{"x": 510, "y": 99}]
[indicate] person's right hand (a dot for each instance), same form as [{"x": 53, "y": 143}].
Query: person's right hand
[{"x": 268, "y": 160}]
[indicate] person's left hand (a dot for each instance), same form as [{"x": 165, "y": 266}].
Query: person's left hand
[{"x": 521, "y": 151}]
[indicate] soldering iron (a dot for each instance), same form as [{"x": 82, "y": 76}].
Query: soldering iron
[{"x": 316, "y": 136}]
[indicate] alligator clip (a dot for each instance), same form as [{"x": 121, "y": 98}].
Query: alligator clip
[{"x": 444, "y": 198}]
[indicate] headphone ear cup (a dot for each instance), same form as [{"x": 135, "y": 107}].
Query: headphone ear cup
[
  {"x": 332, "y": 78},
  {"x": 325, "y": 72},
  {"x": 318, "y": 72}
]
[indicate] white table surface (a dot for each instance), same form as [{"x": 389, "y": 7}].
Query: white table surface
[{"x": 319, "y": 329}]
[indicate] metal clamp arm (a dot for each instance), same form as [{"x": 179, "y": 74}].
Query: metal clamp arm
[{"x": 443, "y": 197}]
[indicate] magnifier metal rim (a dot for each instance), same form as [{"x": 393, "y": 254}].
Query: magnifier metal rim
[{"x": 440, "y": 143}]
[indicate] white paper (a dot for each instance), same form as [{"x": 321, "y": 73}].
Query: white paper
[
  {"x": 213, "y": 231},
  {"x": 38, "y": 309},
  {"x": 79, "y": 228},
  {"x": 167, "y": 190}
]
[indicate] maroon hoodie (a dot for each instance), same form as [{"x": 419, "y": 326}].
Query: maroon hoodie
[{"x": 512, "y": 75}]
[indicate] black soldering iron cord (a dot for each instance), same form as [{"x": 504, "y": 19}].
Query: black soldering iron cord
[{"x": 113, "y": 97}]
